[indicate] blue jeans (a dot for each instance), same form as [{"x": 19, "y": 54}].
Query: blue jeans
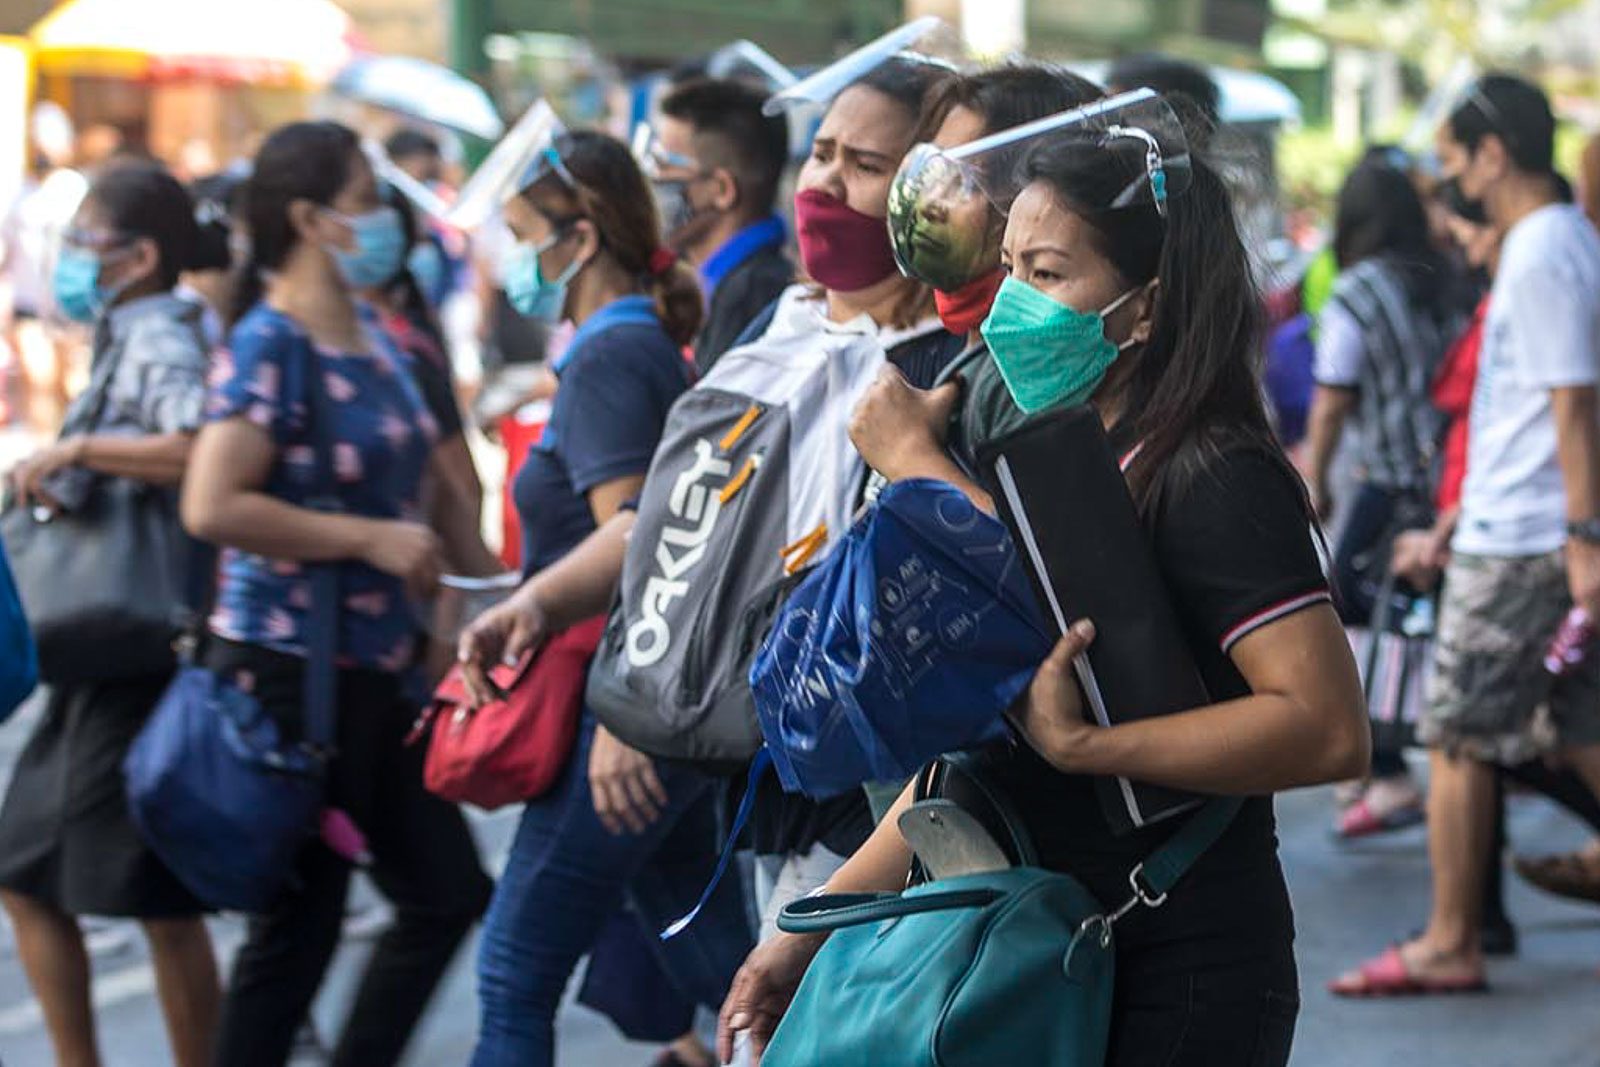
[{"x": 567, "y": 876}]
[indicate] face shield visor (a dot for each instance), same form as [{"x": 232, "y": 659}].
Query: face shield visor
[
  {"x": 523, "y": 156},
  {"x": 748, "y": 60},
  {"x": 424, "y": 199},
  {"x": 947, "y": 205},
  {"x": 816, "y": 90}
]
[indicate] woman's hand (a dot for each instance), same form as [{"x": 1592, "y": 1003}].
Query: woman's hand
[
  {"x": 893, "y": 424},
  {"x": 27, "y": 478},
  {"x": 1051, "y": 715},
  {"x": 408, "y": 550},
  {"x": 627, "y": 794},
  {"x": 500, "y": 635},
  {"x": 762, "y": 991}
]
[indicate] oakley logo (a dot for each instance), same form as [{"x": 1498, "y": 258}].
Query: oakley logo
[{"x": 693, "y": 505}]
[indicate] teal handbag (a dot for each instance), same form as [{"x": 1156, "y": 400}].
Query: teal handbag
[{"x": 1004, "y": 966}]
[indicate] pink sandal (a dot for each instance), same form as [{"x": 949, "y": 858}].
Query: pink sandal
[
  {"x": 1359, "y": 820},
  {"x": 1388, "y": 976}
]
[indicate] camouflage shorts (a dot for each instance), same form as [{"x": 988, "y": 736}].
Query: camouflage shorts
[{"x": 1489, "y": 696}]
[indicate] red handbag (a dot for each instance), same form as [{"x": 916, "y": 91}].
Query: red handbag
[{"x": 510, "y": 750}]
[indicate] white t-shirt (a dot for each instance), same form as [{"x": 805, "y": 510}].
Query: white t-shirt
[{"x": 1542, "y": 332}]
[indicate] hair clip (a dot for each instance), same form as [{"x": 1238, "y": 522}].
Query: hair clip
[
  {"x": 553, "y": 158},
  {"x": 1155, "y": 169}
]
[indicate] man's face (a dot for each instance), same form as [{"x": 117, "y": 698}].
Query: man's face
[
  {"x": 425, "y": 168},
  {"x": 676, "y": 161},
  {"x": 1475, "y": 169}
]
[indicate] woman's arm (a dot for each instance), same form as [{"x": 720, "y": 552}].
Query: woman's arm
[
  {"x": 607, "y": 498},
  {"x": 577, "y": 586},
  {"x": 455, "y": 514},
  {"x": 1303, "y": 724},
  {"x": 1330, "y": 407},
  {"x": 158, "y": 459},
  {"x": 223, "y": 503}
]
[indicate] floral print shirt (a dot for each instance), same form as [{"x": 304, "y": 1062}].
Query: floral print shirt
[{"x": 383, "y": 436}]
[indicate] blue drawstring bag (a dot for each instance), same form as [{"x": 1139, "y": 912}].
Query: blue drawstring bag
[
  {"x": 910, "y": 639},
  {"x": 19, "y": 664}
]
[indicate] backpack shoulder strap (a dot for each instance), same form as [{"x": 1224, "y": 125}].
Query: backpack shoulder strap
[{"x": 757, "y": 327}]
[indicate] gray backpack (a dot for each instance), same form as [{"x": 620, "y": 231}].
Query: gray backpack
[{"x": 754, "y": 478}]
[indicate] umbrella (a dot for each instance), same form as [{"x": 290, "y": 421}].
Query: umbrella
[
  {"x": 422, "y": 90},
  {"x": 293, "y": 42}
]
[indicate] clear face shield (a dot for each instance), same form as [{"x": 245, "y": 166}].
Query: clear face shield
[
  {"x": 816, "y": 90},
  {"x": 523, "y": 156},
  {"x": 947, "y": 206},
  {"x": 748, "y": 60},
  {"x": 424, "y": 199}
]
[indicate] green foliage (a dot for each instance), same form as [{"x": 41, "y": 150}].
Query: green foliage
[{"x": 1311, "y": 166}]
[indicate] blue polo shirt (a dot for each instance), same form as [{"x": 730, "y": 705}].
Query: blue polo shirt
[
  {"x": 619, "y": 377},
  {"x": 762, "y": 234}
]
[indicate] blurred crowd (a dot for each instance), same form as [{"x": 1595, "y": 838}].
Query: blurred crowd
[{"x": 1424, "y": 390}]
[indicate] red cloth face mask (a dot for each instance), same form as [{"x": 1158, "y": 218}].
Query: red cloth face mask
[
  {"x": 963, "y": 310},
  {"x": 841, "y": 248}
]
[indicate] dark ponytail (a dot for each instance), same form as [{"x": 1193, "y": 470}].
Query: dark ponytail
[
  {"x": 142, "y": 199},
  {"x": 679, "y": 301},
  {"x": 612, "y": 193},
  {"x": 300, "y": 161}
]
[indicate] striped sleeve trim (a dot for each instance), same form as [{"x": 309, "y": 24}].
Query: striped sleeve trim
[{"x": 1272, "y": 614}]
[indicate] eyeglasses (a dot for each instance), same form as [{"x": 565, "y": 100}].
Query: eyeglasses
[
  {"x": 96, "y": 240},
  {"x": 653, "y": 156}
]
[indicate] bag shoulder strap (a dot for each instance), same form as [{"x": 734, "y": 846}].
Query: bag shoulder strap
[
  {"x": 825, "y": 913},
  {"x": 322, "y": 623},
  {"x": 1166, "y": 866}
]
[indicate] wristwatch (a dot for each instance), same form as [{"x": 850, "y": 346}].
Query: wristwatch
[{"x": 1585, "y": 530}]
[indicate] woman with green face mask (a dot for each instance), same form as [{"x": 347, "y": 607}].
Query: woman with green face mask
[{"x": 1144, "y": 307}]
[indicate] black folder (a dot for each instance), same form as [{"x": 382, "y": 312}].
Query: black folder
[{"x": 1060, "y": 489}]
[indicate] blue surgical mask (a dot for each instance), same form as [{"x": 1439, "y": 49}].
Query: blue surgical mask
[
  {"x": 76, "y": 284},
  {"x": 1048, "y": 353},
  {"x": 526, "y": 286},
  {"x": 380, "y": 248},
  {"x": 427, "y": 266}
]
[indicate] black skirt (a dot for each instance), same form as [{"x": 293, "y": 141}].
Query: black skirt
[{"x": 65, "y": 835}]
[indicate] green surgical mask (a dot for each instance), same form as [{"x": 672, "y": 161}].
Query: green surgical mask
[{"x": 1048, "y": 353}]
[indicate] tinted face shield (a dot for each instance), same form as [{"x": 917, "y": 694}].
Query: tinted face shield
[{"x": 947, "y": 206}]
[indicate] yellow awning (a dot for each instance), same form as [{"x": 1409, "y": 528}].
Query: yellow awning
[{"x": 256, "y": 42}]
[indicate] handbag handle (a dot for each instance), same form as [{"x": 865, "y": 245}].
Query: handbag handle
[{"x": 835, "y": 911}]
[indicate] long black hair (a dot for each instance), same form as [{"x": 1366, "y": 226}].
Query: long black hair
[
  {"x": 1195, "y": 387},
  {"x": 1380, "y": 214},
  {"x": 402, "y": 288},
  {"x": 301, "y": 161},
  {"x": 141, "y": 199}
]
